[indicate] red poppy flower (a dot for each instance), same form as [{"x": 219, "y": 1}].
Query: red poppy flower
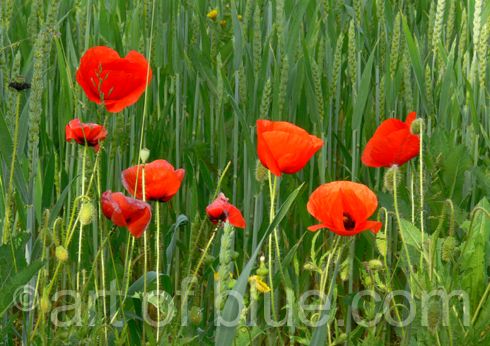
[
  {"x": 126, "y": 212},
  {"x": 284, "y": 147},
  {"x": 85, "y": 133},
  {"x": 162, "y": 181},
  {"x": 222, "y": 210},
  {"x": 120, "y": 81},
  {"x": 343, "y": 207},
  {"x": 392, "y": 144}
]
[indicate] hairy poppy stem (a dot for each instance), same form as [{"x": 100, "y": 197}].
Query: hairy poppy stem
[
  {"x": 421, "y": 188},
  {"x": 398, "y": 219},
  {"x": 158, "y": 267},
  {"x": 272, "y": 213},
  {"x": 80, "y": 236},
  {"x": 145, "y": 252}
]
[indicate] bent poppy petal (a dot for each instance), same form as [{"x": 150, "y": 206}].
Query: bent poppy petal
[
  {"x": 115, "y": 81},
  {"x": 85, "y": 133},
  {"x": 283, "y": 147},
  {"x": 221, "y": 210},
  {"x": 162, "y": 180},
  {"x": 344, "y": 208},
  {"x": 126, "y": 212},
  {"x": 392, "y": 144}
]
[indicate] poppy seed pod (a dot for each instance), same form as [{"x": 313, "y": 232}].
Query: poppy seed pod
[{"x": 392, "y": 176}]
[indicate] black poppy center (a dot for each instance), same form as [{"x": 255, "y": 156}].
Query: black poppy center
[{"x": 349, "y": 223}]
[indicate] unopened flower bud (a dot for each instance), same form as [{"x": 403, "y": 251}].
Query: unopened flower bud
[
  {"x": 261, "y": 172},
  {"x": 340, "y": 339},
  {"x": 44, "y": 304},
  {"x": 375, "y": 264},
  {"x": 448, "y": 248},
  {"x": 391, "y": 177},
  {"x": 61, "y": 253},
  {"x": 144, "y": 155},
  {"x": 309, "y": 266},
  {"x": 87, "y": 213},
  {"x": 433, "y": 315},
  {"x": 196, "y": 315},
  {"x": 417, "y": 126}
]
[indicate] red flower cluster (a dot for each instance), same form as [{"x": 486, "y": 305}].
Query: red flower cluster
[
  {"x": 85, "y": 133},
  {"x": 393, "y": 143},
  {"x": 162, "y": 180},
  {"x": 343, "y": 207},
  {"x": 284, "y": 147},
  {"x": 107, "y": 78},
  {"x": 221, "y": 210},
  {"x": 126, "y": 212}
]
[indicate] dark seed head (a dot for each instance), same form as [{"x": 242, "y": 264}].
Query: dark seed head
[
  {"x": 19, "y": 86},
  {"x": 349, "y": 223}
]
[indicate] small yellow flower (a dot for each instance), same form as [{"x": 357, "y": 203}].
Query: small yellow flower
[
  {"x": 222, "y": 23},
  {"x": 260, "y": 285},
  {"x": 239, "y": 17},
  {"x": 213, "y": 14}
]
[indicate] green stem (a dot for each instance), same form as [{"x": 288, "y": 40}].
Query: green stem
[
  {"x": 80, "y": 236},
  {"x": 421, "y": 188},
  {"x": 145, "y": 250},
  {"x": 158, "y": 267},
  {"x": 272, "y": 193},
  {"x": 398, "y": 219}
]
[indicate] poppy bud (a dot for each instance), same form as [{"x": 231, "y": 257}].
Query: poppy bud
[
  {"x": 375, "y": 264},
  {"x": 196, "y": 315},
  {"x": 310, "y": 267},
  {"x": 86, "y": 214},
  {"x": 61, "y": 253},
  {"x": 231, "y": 284},
  {"x": 433, "y": 315},
  {"x": 448, "y": 248},
  {"x": 260, "y": 172},
  {"x": 144, "y": 155},
  {"x": 381, "y": 244},
  {"x": 389, "y": 178},
  {"x": 341, "y": 339},
  {"x": 344, "y": 270},
  {"x": 234, "y": 255},
  {"x": 44, "y": 303},
  {"x": 262, "y": 271},
  {"x": 417, "y": 126},
  {"x": 209, "y": 259}
]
